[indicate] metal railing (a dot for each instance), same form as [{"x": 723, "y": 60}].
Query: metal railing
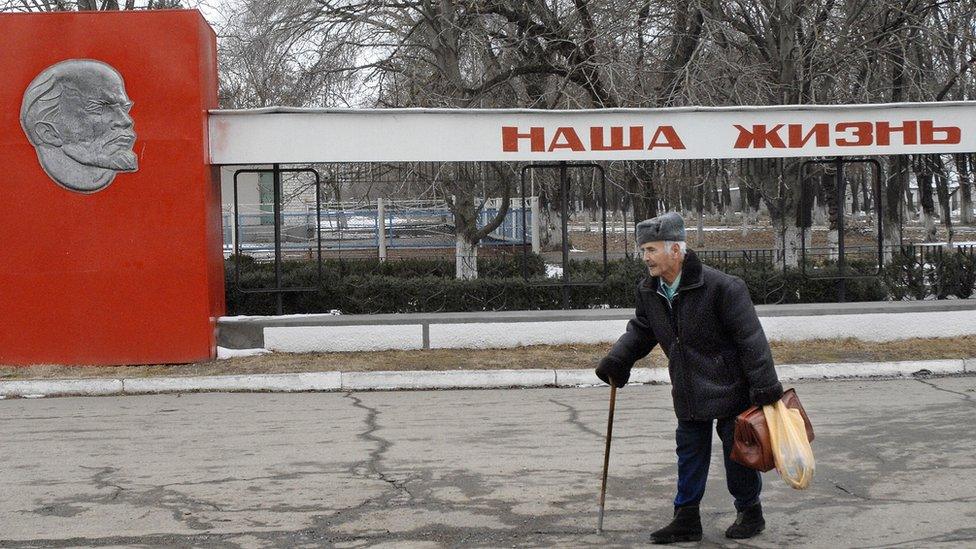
[{"x": 406, "y": 224}]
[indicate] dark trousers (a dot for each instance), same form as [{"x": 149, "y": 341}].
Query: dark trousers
[{"x": 694, "y": 449}]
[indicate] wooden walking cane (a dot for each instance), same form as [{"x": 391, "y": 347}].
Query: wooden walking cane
[{"x": 606, "y": 455}]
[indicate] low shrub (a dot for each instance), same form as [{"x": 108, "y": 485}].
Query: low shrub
[{"x": 428, "y": 285}]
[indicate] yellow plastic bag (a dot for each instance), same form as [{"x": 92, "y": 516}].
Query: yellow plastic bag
[{"x": 791, "y": 449}]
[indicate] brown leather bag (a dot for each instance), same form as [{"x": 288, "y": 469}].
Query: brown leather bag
[{"x": 751, "y": 446}]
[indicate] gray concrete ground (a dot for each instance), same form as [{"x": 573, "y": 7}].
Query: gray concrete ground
[{"x": 499, "y": 468}]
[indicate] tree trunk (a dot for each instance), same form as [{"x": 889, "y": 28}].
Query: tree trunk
[
  {"x": 745, "y": 204},
  {"x": 642, "y": 190},
  {"x": 898, "y": 194},
  {"x": 755, "y": 203},
  {"x": 942, "y": 189},
  {"x": 714, "y": 200},
  {"x": 927, "y": 214},
  {"x": 804, "y": 213},
  {"x": 966, "y": 203},
  {"x": 897, "y": 182},
  {"x": 466, "y": 259},
  {"x": 866, "y": 194},
  {"x": 783, "y": 200},
  {"x": 829, "y": 183},
  {"x": 547, "y": 187},
  {"x": 552, "y": 234},
  {"x": 700, "y": 206},
  {"x": 461, "y": 201},
  {"x": 787, "y": 246},
  {"x": 726, "y": 196},
  {"x": 924, "y": 174},
  {"x": 964, "y": 168},
  {"x": 819, "y": 213}
]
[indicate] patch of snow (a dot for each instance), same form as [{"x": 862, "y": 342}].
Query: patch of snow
[
  {"x": 630, "y": 228},
  {"x": 296, "y": 315},
  {"x": 224, "y": 353},
  {"x": 966, "y": 243},
  {"x": 553, "y": 271},
  {"x": 348, "y": 222}
]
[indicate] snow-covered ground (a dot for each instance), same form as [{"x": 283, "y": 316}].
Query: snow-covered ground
[
  {"x": 223, "y": 353},
  {"x": 597, "y": 228}
]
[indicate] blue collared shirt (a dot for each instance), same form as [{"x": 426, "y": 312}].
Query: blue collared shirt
[{"x": 669, "y": 290}]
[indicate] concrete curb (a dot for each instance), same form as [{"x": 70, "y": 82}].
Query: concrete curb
[
  {"x": 448, "y": 379},
  {"x": 316, "y": 381},
  {"x": 60, "y": 387},
  {"x": 793, "y": 372}
]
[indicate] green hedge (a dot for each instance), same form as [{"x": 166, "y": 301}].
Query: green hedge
[
  {"x": 426, "y": 285},
  {"x": 507, "y": 266},
  {"x": 917, "y": 273}
]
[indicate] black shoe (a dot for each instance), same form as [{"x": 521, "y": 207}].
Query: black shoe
[
  {"x": 686, "y": 526},
  {"x": 748, "y": 523}
]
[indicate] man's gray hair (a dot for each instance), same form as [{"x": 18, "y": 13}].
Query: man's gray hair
[{"x": 682, "y": 247}]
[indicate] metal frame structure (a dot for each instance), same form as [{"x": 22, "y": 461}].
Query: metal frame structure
[
  {"x": 277, "y": 289},
  {"x": 840, "y": 193},
  {"x": 563, "y": 168}
]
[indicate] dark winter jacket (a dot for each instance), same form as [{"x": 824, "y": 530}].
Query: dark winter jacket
[{"x": 718, "y": 357}]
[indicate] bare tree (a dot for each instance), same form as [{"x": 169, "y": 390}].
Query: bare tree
[{"x": 616, "y": 53}]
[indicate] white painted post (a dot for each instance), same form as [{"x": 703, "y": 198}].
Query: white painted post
[
  {"x": 536, "y": 243},
  {"x": 233, "y": 232},
  {"x": 381, "y": 227}
]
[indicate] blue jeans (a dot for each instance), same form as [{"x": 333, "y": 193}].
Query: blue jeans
[{"x": 694, "y": 449}]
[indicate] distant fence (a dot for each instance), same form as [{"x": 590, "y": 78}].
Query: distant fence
[
  {"x": 921, "y": 251},
  {"x": 378, "y": 225}
]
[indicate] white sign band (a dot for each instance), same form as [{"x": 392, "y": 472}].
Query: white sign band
[{"x": 286, "y": 136}]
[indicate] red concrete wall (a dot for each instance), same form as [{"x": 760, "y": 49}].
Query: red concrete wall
[{"x": 133, "y": 273}]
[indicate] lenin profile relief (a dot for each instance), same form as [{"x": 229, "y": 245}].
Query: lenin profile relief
[{"x": 76, "y": 114}]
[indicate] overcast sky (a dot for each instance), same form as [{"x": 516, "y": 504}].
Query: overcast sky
[{"x": 211, "y": 9}]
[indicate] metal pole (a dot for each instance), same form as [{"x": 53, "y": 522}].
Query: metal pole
[
  {"x": 525, "y": 262},
  {"x": 536, "y": 237},
  {"x": 318, "y": 224},
  {"x": 606, "y": 456},
  {"x": 277, "y": 238},
  {"x": 623, "y": 216},
  {"x": 237, "y": 241},
  {"x": 880, "y": 207},
  {"x": 381, "y": 227},
  {"x": 233, "y": 226},
  {"x": 603, "y": 206},
  {"x": 841, "y": 195},
  {"x": 564, "y": 211}
]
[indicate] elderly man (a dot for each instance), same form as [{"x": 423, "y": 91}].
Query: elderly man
[
  {"x": 719, "y": 363},
  {"x": 76, "y": 114}
]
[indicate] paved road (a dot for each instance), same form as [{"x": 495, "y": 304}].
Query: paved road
[{"x": 897, "y": 467}]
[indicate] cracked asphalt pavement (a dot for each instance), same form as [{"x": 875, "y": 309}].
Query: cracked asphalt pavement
[{"x": 896, "y": 466}]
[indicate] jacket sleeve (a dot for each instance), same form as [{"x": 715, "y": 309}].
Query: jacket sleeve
[
  {"x": 636, "y": 342},
  {"x": 742, "y": 323}
]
